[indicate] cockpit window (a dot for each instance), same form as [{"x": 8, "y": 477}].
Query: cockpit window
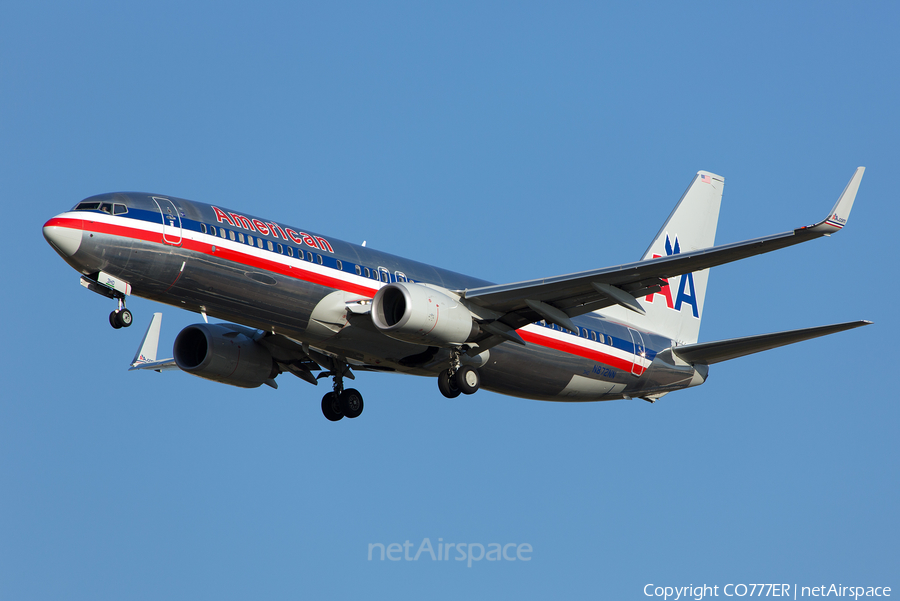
[{"x": 106, "y": 207}]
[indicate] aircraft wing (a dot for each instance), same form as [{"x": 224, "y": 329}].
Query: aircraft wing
[
  {"x": 558, "y": 298},
  {"x": 723, "y": 350}
]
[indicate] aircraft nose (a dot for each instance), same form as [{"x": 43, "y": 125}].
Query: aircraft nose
[{"x": 64, "y": 237}]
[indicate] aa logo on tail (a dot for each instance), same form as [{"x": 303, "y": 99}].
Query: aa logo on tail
[{"x": 686, "y": 294}]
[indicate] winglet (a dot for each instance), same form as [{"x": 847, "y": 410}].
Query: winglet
[
  {"x": 837, "y": 219},
  {"x": 146, "y": 353},
  {"x": 145, "y": 357}
]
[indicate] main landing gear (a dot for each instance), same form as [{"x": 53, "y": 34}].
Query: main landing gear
[
  {"x": 342, "y": 402},
  {"x": 458, "y": 379}
]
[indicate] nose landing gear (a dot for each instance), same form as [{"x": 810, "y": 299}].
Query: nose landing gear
[
  {"x": 121, "y": 317},
  {"x": 111, "y": 287}
]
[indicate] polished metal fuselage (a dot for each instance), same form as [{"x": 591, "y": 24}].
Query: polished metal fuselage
[{"x": 188, "y": 268}]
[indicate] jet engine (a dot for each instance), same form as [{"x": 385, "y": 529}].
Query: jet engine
[
  {"x": 222, "y": 354},
  {"x": 422, "y": 315}
]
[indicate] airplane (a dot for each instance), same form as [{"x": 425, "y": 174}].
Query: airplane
[{"x": 318, "y": 307}]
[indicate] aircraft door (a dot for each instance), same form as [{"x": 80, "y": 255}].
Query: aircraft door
[
  {"x": 637, "y": 366},
  {"x": 171, "y": 220}
]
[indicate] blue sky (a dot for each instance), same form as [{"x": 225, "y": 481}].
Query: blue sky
[{"x": 504, "y": 140}]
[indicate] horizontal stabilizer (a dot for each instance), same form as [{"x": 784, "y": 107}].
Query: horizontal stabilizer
[{"x": 708, "y": 353}]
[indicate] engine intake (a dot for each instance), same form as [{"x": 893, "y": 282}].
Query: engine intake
[
  {"x": 422, "y": 315},
  {"x": 221, "y": 354}
]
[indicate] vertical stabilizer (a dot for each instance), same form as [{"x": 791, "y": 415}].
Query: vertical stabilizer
[{"x": 676, "y": 310}]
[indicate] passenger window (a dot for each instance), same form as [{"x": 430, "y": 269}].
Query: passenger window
[
  {"x": 340, "y": 265},
  {"x": 240, "y": 237},
  {"x": 319, "y": 259},
  {"x": 290, "y": 250},
  {"x": 221, "y": 233},
  {"x": 358, "y": 270},
  {"x": 119, "y": 209},
  {"x": 368, "y": 274},
  {"x": 584, "y": 333},
  {"x": 309, "y": 256},
  {"x": 231, "y": 235},
  {"x": 249, "y": 239},
  {"x": 280, "y": 249},
  {"x": 212, "y": 230},
  {"x": 202, "y": 228},
  {"x": 594, "y": 336},
  {"x": 272, "y": 246},
  {"x": 259, "y": 242}
]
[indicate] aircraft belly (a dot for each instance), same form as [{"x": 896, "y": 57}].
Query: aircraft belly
[
  {"x": 582, "y": 388},
  {"x": 544, "y": 374}
]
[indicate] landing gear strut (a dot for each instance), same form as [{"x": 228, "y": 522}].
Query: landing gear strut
[
  {"x": 342, "y": 402},
  {"x": 458, "y": 378},
  {"x": 112, "y": 288}
]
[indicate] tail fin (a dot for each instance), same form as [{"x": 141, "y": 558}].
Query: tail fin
[{"x": 676, "y": 310}]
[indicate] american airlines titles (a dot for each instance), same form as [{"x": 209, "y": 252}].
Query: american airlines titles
[{"x": 271, "y": 229}]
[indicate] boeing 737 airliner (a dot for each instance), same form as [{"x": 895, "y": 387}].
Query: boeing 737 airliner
[{"x": 318, "y": 307}]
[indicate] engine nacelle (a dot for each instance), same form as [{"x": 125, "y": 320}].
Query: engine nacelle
[
  {"x": 222, "y": 354},
  {"x": 422, "y": 315}
]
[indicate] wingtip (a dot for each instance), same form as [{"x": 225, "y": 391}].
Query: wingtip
[
  {"x": 840, "y": 213},
  {"x": 146, "y": 352}
]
